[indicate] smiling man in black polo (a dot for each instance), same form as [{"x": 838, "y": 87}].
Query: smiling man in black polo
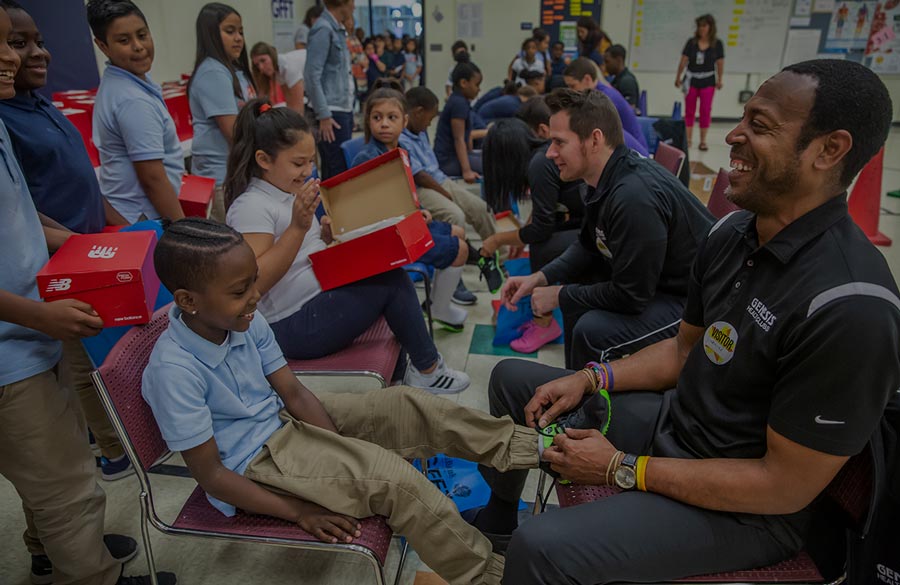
[{"x": 788, "y": 352}]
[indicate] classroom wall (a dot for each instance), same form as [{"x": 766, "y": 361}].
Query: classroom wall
[{"x": 172, "y": 23}]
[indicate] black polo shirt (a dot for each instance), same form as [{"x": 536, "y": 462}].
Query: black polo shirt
[
  {"x": 801, "y": 334},
  {"x": 640, "y": 235}
]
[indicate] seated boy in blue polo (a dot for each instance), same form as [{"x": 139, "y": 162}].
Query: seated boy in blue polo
[
  {"x": 257, "y": 440},
  {"x": 141, "y": 161}
]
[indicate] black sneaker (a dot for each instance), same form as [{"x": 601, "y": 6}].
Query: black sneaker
[
  {"x": 161, "y": 578},
  {"x": 122, "y": 548},
  {"x": 463, "y": 296},
  {"x": 491, "y": 272}
]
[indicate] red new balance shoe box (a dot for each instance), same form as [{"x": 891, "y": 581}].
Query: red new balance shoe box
[
  {"x": 111, "y": 272},
  {"x": 196, "y": 196},
  {"x": 375, "y": 220}
]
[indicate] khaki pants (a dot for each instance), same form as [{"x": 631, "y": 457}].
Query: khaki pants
[
  {"x": 75, "y": 373},
  {"x": 465, "y": 207},
  {"x": 44, "y": 453},
  {"x": 362, "y": 472}
]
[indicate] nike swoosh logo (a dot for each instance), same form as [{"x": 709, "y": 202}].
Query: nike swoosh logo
[{"x": 825, "y": 421}]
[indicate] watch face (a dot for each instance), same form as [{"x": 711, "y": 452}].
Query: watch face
[{"x": 625, "y": 478}]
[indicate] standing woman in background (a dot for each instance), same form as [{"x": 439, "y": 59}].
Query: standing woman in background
[
  {"x": 704, "y": 57},
  {"x": 328, "y": 87},
  {"x": 219, "y": 87},
  {"x": 302, "y": 35},
  {"x": 592, "y": 41}
]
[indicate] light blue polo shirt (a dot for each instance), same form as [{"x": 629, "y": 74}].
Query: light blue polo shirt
[
  {"x": 198, "y": 390},
  {"x": 23, "y": 252},
  {"x": 211, "y": 94},
  {"x": 421, "y": 155},
  {"x": 132, "y": 124}
]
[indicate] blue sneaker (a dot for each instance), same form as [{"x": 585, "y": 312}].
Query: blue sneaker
[
  {"x": 463, "y": 296},
  {"x": 113, "y": 469}
]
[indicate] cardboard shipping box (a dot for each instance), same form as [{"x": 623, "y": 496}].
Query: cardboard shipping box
[
  {"x": 377, "y": 200},
  {"x": 196, "y": 195},
  {"x": 702, "y": 180},
  {"x": 111, "y": 272}
]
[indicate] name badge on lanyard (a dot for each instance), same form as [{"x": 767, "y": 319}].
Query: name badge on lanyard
[{"x": 701, "y": 57}]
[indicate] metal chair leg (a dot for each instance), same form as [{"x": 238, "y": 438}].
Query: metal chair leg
[
  {"x": 145, "y": 536},
  {"x": 403, "y": 553},
  {"x": 539, "y": 494},
  {"x": 427, "y": 280}
]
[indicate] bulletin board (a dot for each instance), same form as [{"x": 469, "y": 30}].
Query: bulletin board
[
  {"x": 862, "y": 31},
  {"x": 753, "y": 32},
  {"x": 558, "y": 18}
]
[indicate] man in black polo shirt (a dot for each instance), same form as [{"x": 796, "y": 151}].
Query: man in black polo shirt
[
  {"x": 623, "y": 79},
  {"x": 788, "y": 352},
  {"x": 625, "y": 278}
]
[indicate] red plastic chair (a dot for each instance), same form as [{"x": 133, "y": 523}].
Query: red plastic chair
[
  {"x": 373, "y": 355},
  {"x": 669, "y": 157},
  {"x": 718, "y": 204},
  {"x": 118, "y": 382},
  {"x": 850, "y": 490}
]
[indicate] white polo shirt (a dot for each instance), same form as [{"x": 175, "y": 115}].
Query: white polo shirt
[{"x": 265, "y": 209}]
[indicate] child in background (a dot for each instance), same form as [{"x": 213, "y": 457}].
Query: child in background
[
  {"x": 558, "y": 62},
  {"x": 413, "y": 65},
  {"x": 377, "y": 67},
  {"x": 460, "y": 52},
  {"x": 64, "y": 188},
  {"x": 444, "y": 198},
  {"x": 266, "y": 445},
  {"x": 385, "y": 117},
  {"x": 141, "y": 161},
  {"x": 279, "y": 76},
  {"x": 453, "y": 141},
  {"x": 219, "y": 86},
  {"x": 528, "y": 61},
  {"x": 506, "y": 106},
  {"x": 535, "y": 80},
  {"x": 271, "y": 200}
]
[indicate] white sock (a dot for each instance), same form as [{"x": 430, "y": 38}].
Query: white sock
[{"x": 443, "y": 285}]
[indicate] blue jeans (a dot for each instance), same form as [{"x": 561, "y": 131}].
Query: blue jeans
[
  {"x": 330, "y": 154},
  {"x": 334, "y": 318}
]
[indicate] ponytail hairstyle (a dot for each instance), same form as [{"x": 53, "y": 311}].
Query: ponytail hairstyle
[
  {"x": 209, "y": 44},
  {"x": 508, "y": 149},
  {"x": 187, "y": 254},
  {"x": 259, "y": 126},
  {"x": 464, "y": 71},
  {"x": 386, "y": 91},
  {"x": 264, "y": 83}
]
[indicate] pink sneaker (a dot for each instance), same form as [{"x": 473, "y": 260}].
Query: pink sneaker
[{"x": 535, "y": 337}]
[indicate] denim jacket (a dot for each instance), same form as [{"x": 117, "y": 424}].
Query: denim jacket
[{"x": 327, "y": 72}]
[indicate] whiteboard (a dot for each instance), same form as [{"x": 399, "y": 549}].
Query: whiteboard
[{"x": 752, "y": 31}]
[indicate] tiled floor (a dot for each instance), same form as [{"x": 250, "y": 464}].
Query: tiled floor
[{"x": 201, "y": 562}]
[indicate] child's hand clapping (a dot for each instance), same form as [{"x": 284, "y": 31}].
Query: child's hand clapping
[{"x": 306, "y": 200}]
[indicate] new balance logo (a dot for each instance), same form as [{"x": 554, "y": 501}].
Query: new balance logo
[
  {"x": 59, "y": 285},
  {"x": 103, "y": 252}
]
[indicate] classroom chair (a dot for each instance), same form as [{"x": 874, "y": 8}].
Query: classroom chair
[
  {"x": 118, "y": 382},
  {"x": 373, "y": 355},
  {"x": 718, "y": 204},
  {"x": 642, "y": 103},
  {"x": 649, "y": 132},
  {"x": 850, "y": 491},
  {"x": 669, "y": 157},
  {"x": 351, "y": 148}
]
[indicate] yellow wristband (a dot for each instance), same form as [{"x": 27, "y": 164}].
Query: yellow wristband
[{"x": 641, "y": 472}]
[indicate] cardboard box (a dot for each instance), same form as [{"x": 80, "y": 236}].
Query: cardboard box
[
  {"x": 111, "y": 272},
  {"x": 380, "y": 189},
  {"x": 507, "y": 221},
  {"x": 702, "y": 180},
  {"x": 196, "y": 195}
]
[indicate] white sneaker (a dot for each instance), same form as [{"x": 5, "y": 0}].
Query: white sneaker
[{"x": 442, "y": 380}]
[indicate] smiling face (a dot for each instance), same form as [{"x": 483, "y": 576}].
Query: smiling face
[
  {"x": 386, "y": 122},
  {"x": 228, "y": 300},
  {"x": 9, "y": 59},
  {"x": 264, "y": 65},
  {"x": 766, "y": 165},
  {"x": 128, "y": 44},
  {"x": 567, "y": 150},
  {"x": 25, "y": 39},
  {"x": 290, "y": 167},
  {"x": 231, "y": 30}
]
